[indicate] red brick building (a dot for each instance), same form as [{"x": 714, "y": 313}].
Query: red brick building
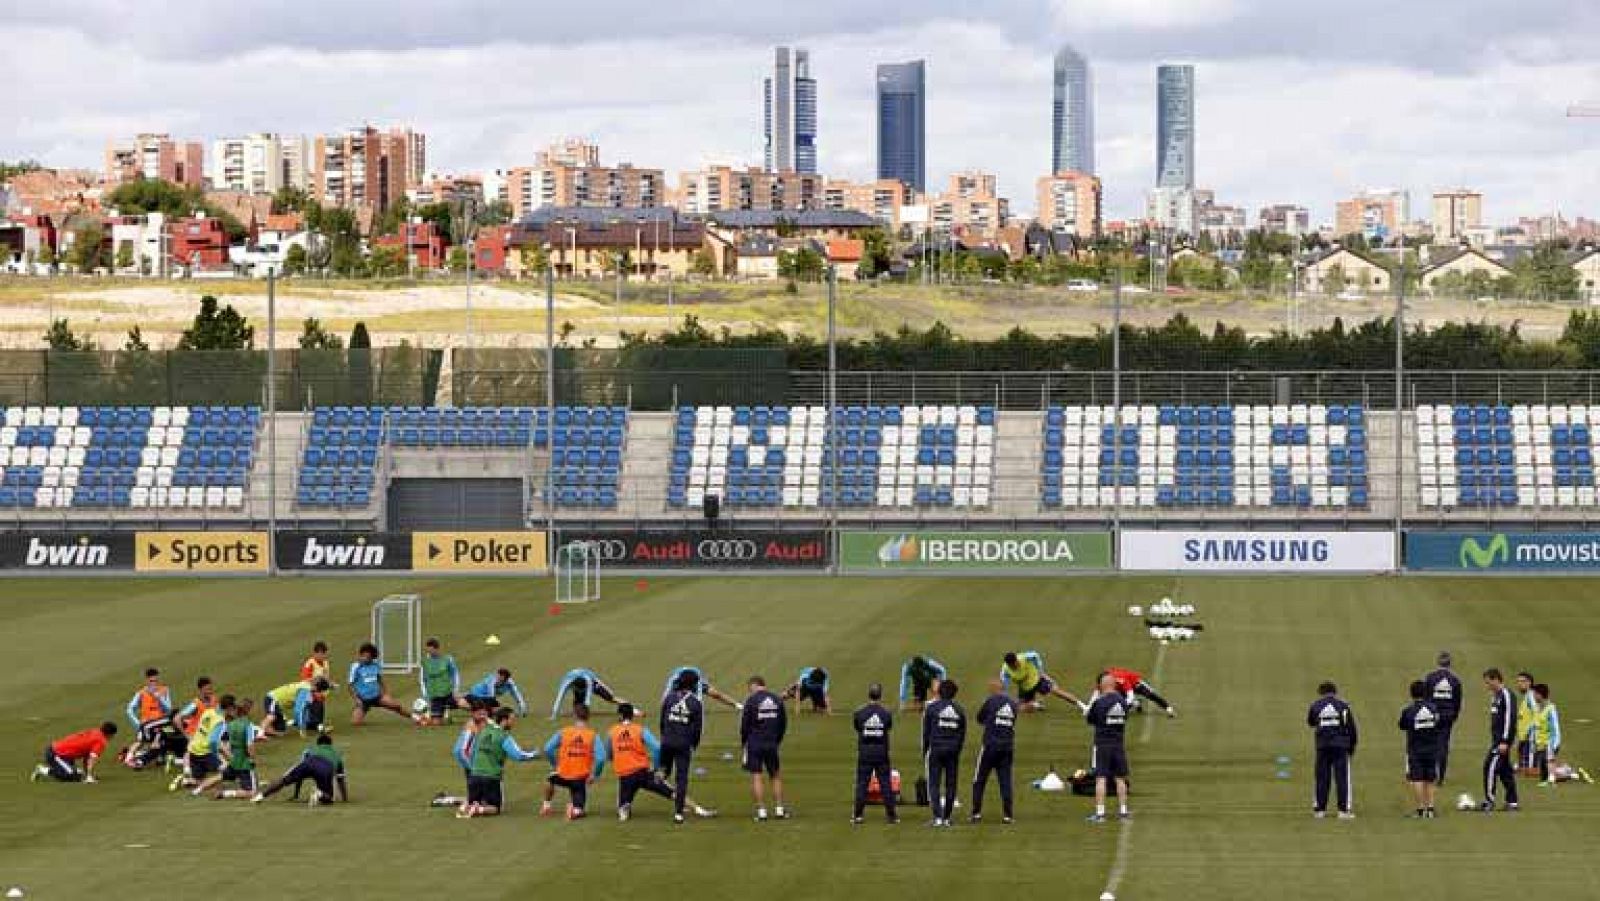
[
  {"x": 419, "y": 242},
  {"x": 490, "y": 248},
  {"x": 198, "y": 242}
]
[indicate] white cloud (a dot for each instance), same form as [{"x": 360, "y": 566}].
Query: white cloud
[{"x": 1114, "y": 15}]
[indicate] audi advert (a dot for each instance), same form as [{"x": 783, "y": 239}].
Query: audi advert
[{"x": 704, "y": 550}]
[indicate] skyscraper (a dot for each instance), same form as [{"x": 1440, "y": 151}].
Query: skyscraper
[
  {"x": 1072, "y": 115},
  {"x": 1175, "y": 127},
  {"x": 903, "y": 123},
  {"x": 789, "y": 113}
]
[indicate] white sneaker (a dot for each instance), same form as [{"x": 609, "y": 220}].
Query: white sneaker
[
  {"x": 677, "y": 819},
  {"x": 704, "y": 813},
  {"x": 1346, "y": 815},
  {"x": 761, "y": 815},
  {"x": 1172, "y": 712},
  {"x": 259, "y": 797},
  {"x": 39, "y": 772},
  {"x": 623, "y": 813},
  {"x": 316, "y": 800},
  {"x": 782, "y": 813}
]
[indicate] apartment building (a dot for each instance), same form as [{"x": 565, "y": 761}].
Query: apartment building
[
  {"x": 970, "y": 204},
  {"x": 883, "y": 199},
  {"x": 364, "y": 166},
  {"x": 1285, "y": 219},
  {"x": 719, "y": 188},
  {"x": 1069, "y": 203},
  {"x": 569, "y": 174},
  {"x": 155, "y": 156}
]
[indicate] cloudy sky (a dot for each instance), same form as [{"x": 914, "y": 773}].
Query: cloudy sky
[{"x": 1297, "y": 102}]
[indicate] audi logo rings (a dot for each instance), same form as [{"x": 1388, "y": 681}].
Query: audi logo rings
[
  {"x": 727, "y": 550},
  {"x": 609, "y": 550}
]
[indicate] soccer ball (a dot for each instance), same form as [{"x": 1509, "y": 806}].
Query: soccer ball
[
  {"x": 419, "y": 706},
  {"x": 1464, "y": 802}
]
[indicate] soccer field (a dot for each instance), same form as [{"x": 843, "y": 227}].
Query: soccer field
[{"x": 1213, "y": 819}]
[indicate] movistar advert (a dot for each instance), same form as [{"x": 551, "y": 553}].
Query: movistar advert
[{"x": 1488, "y": 552}]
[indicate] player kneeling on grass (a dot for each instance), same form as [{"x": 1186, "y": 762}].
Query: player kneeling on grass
[
  {"x": 761, "y": 730},
  {"x": 1421, "y": 722},
  {"x": 292, "y": 704},
  {"x": 487, "y": 691},
  {"x": 366, "y": 686},
  {"x": 578, "y": 758},
  {"x": 811, "y": 686},
  {"x": 635, "y": 753},
  {"x": 440, "y": 681},
  {"x": 204, "y": 762},
  {"x": 1109, "y": 717},
  {"x": 461, "y": 753},
  {"x": 919, "y": 680},
  {"x": 323, "y": 765},
  {"x": 584, "y": 684},
  {"x": 63, "y": 756},
  {"x": 1025, "y": 670},
  {"x": 150, "y": 712},
  {"x": 493, "y": 747}
]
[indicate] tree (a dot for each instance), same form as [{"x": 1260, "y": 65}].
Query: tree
[
  {"x": 458, "y": 260},
  {"x": 61, "y": 337},
  {"x": 1335, "y": 281},
  {"x": 535, "y": 259},
  {"x": 359, "y": 339},
  {"x": 386, "y": 262},
  {"x": 703, "y": 263},
  {"x": 294, "y": 261},
  {"x": 88, "y": 251},
  {"x": 47, "y": 255},
  {"x": 495, "y": 212},
  {"x": 289, "y": 199},
  {"x": 784, "y": 227},
  {"x": 805, "y": 264},
  {"x": 153, "y": 195},
  {"x": 314, "y": 337},
  {"x": 124, "y": 256},
  {"x": 136, "y": 342},
  {"x": 217, "y": 329},
  {"x": 876, "y": 254}
]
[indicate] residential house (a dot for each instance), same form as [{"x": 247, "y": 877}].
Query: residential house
[
  {"x": 1340, "y": 270},
  {"x": 845, "y": 255},
  {"x": 198, "y": 242},
  {"x": 1586, "y": 262},
  {"x": 420, "y": 244},
  {"x": 1461, "y": 260}
]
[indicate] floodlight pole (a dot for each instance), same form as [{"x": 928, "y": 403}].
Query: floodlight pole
[
  {"x": 1116, "y": 400},
  {"x": 1399, "y": 411},
  {"x": 833, "y": 411},
  {"x": 550, "y": 397},
  {"x": 272, "y": 421}
]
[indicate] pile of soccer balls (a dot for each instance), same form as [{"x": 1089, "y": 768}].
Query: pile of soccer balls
[{"x": 1162, "y": 626}]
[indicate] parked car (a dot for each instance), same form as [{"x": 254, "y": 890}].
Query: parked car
[{"x": 1084, "y": 285}]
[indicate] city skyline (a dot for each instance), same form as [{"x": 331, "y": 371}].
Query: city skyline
[
  {"x": 789, "y": 113},
  {"x": 1295, "y": 108}
]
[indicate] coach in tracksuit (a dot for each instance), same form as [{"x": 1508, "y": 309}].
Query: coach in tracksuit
[
  {"x": 1334, "y": 725},
  {"x": 761, "y": 728},
  {"x": 682, "y": 719},
  {"x": 1502, "y": 739},
  {"x": 998, "y": 717},
  {"x": 944, "y": 731},
  {"x": 1444, "y": 690},
  {"x": 873, "y": 724}
]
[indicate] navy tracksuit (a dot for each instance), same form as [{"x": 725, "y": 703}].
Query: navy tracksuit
[
  {"x": 1497, "y": 764},
  {"x": 1444, "y": 690},
  {"x": 1335, "y": 728}
]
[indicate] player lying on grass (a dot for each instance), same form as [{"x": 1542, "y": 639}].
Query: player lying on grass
[
  {"x": 1133, "y": 687},
  {"x": 486, "y": 692},
  {"x": 584, "y": 684},
  {"x": 493, "y": 747},
  {"x": 705, "y": 690},
  {"x": 202, "y": 765},
  {"x": 294, "y": 704},
  {"x": 73, "y": 757},
  {"x": 1026, "y": 671},
  {"x": 461, "y": 753},
  {"x": 635, "y": 754},
  {"x": 150, "y": 712},
  {"x": 811, "y": 686},
  {"x": 919, "y": 680},
  {"x": 323, "y": 765},
  {"x": 367, "y": 688},
  {"x": 579, "y": 758},
  {"x": 440, "y": 681}
]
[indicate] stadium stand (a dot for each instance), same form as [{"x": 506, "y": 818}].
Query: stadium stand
[
  {"x": 882, "y": 457},
  {"x": 1487, "y": 456},
  {"x": 343, "y": 447},
  {"x": 1301, "y": 456},
  {"x": 127, "y": 457}
]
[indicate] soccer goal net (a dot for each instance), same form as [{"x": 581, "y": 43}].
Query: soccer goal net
[
  {"x": 577, "y": 573},
  {"x": 397, "y": 631}
]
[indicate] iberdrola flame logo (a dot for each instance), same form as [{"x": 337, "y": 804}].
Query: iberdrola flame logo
[{"x": 901, "y": 549}]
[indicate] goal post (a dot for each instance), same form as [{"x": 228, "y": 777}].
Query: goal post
[
  {"x": 577, "y": 573},
  {"x": 397, "y": 631}
]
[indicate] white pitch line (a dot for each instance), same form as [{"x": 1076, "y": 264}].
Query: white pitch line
[{"x": 1119, "y": 864}]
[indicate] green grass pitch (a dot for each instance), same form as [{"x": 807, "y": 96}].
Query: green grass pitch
[{"x": 1213, "y": 820}]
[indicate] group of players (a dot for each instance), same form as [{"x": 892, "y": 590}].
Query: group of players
[
  {"x": 212, "y": 740},
  {"x": 1524, "y": 733}
]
